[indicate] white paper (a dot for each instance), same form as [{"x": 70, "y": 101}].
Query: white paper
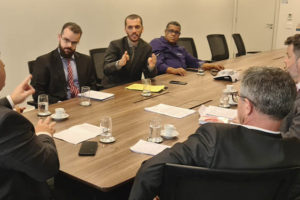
[
  {"x": 172, "y": 111},
  {"x": 99, "y": 95},
  {"x": 217, "y": 111},
  {"x": 149, "y": 148},
  {"x": 78, "y": 133}
]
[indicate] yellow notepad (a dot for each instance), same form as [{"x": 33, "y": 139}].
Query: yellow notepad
[{"x": 154, "y": 88}]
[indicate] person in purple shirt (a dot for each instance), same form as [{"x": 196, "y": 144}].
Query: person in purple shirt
[{"x": 174, "y": 59}]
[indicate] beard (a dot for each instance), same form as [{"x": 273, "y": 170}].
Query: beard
[{"x": 65, "y": 54}]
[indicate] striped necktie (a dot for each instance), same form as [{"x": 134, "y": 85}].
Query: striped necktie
[{"x": 73, "y": 89}]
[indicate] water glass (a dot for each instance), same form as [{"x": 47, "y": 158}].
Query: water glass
[
  {"x": 201, "y": 71},
  {"x": 106, "y": 127},
  {"x": 146, "y": 87},
  {"x": 43, "y": 104},
  {"x": 85, "y": 96},
  {"x": 155, "y": 131}
]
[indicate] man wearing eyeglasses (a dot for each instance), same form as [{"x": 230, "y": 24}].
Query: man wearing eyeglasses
[
  {"x": 62, "y": 72},
  {"x": 126, "y": 59},
  {"x": 173, "y": 59},
  {"x": 266, "y": 96},
  {"x": 291, "y": 124}
]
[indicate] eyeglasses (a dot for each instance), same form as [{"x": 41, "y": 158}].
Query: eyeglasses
[
  {"x": 244, "y": 97},
  {"x": 170, "y": 31},
  {"x": 67, "y": 41}
]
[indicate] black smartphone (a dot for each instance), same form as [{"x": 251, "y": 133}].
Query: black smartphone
[
  {"x": 88, "y": 148},
  {"x": 178, "y": 82}
]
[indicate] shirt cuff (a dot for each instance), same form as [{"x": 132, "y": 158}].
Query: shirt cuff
[
  {"x": 43, "y": 133},
  {"x": 10, "y": 101}
]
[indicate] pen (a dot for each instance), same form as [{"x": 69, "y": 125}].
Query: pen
[{"x": 201, "y": 104}]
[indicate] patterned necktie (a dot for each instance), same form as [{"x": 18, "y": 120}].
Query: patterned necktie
[{"x": 73, "y": 89}]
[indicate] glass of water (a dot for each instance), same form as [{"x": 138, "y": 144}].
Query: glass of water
[
  {"x": 43, "y": 104},
  {"x": 106, "y": 130},
  {"x": 146, "y": 87},
  {"x": 155, "y": 130},
  {"x": 85, "y": 96}
]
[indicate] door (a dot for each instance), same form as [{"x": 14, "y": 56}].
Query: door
[{"x": 255, "y": 22}]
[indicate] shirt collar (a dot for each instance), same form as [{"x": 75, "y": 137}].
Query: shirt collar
[
  {"x": 261, "y": 129},
  {"x": 131, "y": 44}
]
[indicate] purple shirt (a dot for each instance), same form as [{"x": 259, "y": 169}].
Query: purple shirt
[{"x": 169, "y": 55}]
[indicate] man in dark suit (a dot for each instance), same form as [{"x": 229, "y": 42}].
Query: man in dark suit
[
  {"x": 28, "y": 155},
  {"x": 127, "y": 58},
  {"x": 62, "y": 72},
  {"x": 291, "y": 124},
  {"x": 266, "y": 96}
]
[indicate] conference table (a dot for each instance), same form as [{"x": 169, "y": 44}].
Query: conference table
[{"x": 115, "y": 164}]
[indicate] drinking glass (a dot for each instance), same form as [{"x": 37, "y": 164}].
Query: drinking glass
[
  {"x": 106, "y": 130},
  {"x": 43, "y": 104},
  {"x": 201, "y": 71},
  {"x": 155, "y": 130},
  {"x": 146, "y": 87},
  {"x": 85, "y": 96}
]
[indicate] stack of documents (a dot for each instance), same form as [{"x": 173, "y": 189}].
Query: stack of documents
[
  {"x": 154, "y": 88},
  {"x": 149, "y": 148},
  {"x": 78, "y": 133},
  {"x": 99, "y": 95},
  {"x": 171, "y": 111},
  {"x": 216, "y": 114}
]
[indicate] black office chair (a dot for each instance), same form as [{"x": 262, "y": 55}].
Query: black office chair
[
  {"x": 189, "y": 45},
  {"x": 97, "y": 56},
  {"x": 31, "y": 68},
  {"x": 182, "y": 182},
  {"x": 218, "y": 47},
  {"x": 240, "y": 45}
]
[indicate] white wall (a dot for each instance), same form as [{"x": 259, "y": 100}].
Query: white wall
[
  {"x": 29, "y": 28},
  {"x": 286, "y": 27}
]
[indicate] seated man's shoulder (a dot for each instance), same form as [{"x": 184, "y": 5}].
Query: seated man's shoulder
[
  {"x": 217, "y": 128},
  {"x": 81, "y": 56}
]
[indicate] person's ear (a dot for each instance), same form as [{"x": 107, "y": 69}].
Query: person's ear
[{"x": 249, "y": 107}]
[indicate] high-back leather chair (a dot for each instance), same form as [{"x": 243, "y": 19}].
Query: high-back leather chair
[
  {"x": 97, "y": 56},
  {"x": 240, "y": 46},
  {"x": 218, "y": 47},
  {"x": 182, "y": 182},
  {"x": 189, "y": 45}
]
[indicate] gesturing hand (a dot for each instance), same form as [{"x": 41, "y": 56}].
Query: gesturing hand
[
  {"x": 152, "y": 61},
  {"x": 22, "y": 91},
  {"x": 124, "y": 59},
  {"x": 45, "y": 126}
]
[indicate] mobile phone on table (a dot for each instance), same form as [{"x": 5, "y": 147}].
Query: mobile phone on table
[
  {"x": 178, "y": 82},
  {"x": 88, "y": 148}
]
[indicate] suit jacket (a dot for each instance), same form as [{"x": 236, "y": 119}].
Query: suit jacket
[
  {"x": 220, "y": 146},
  {"x": 49, "y": 77},
  {"x": 290, "y": 127},
  {"x": 132, "y": 71},
  {"x": 26, "y": 160}
]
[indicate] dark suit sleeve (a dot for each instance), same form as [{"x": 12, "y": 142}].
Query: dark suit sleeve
[
  {"x": 23, "y": 151},
  {"x": 41, "y": 79},
  {"x": 197, "y": 150},
  {"x": 290, "y": 126},
  {"x": 4, "y": 102},
  {"x": 112, "y": 55}
]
